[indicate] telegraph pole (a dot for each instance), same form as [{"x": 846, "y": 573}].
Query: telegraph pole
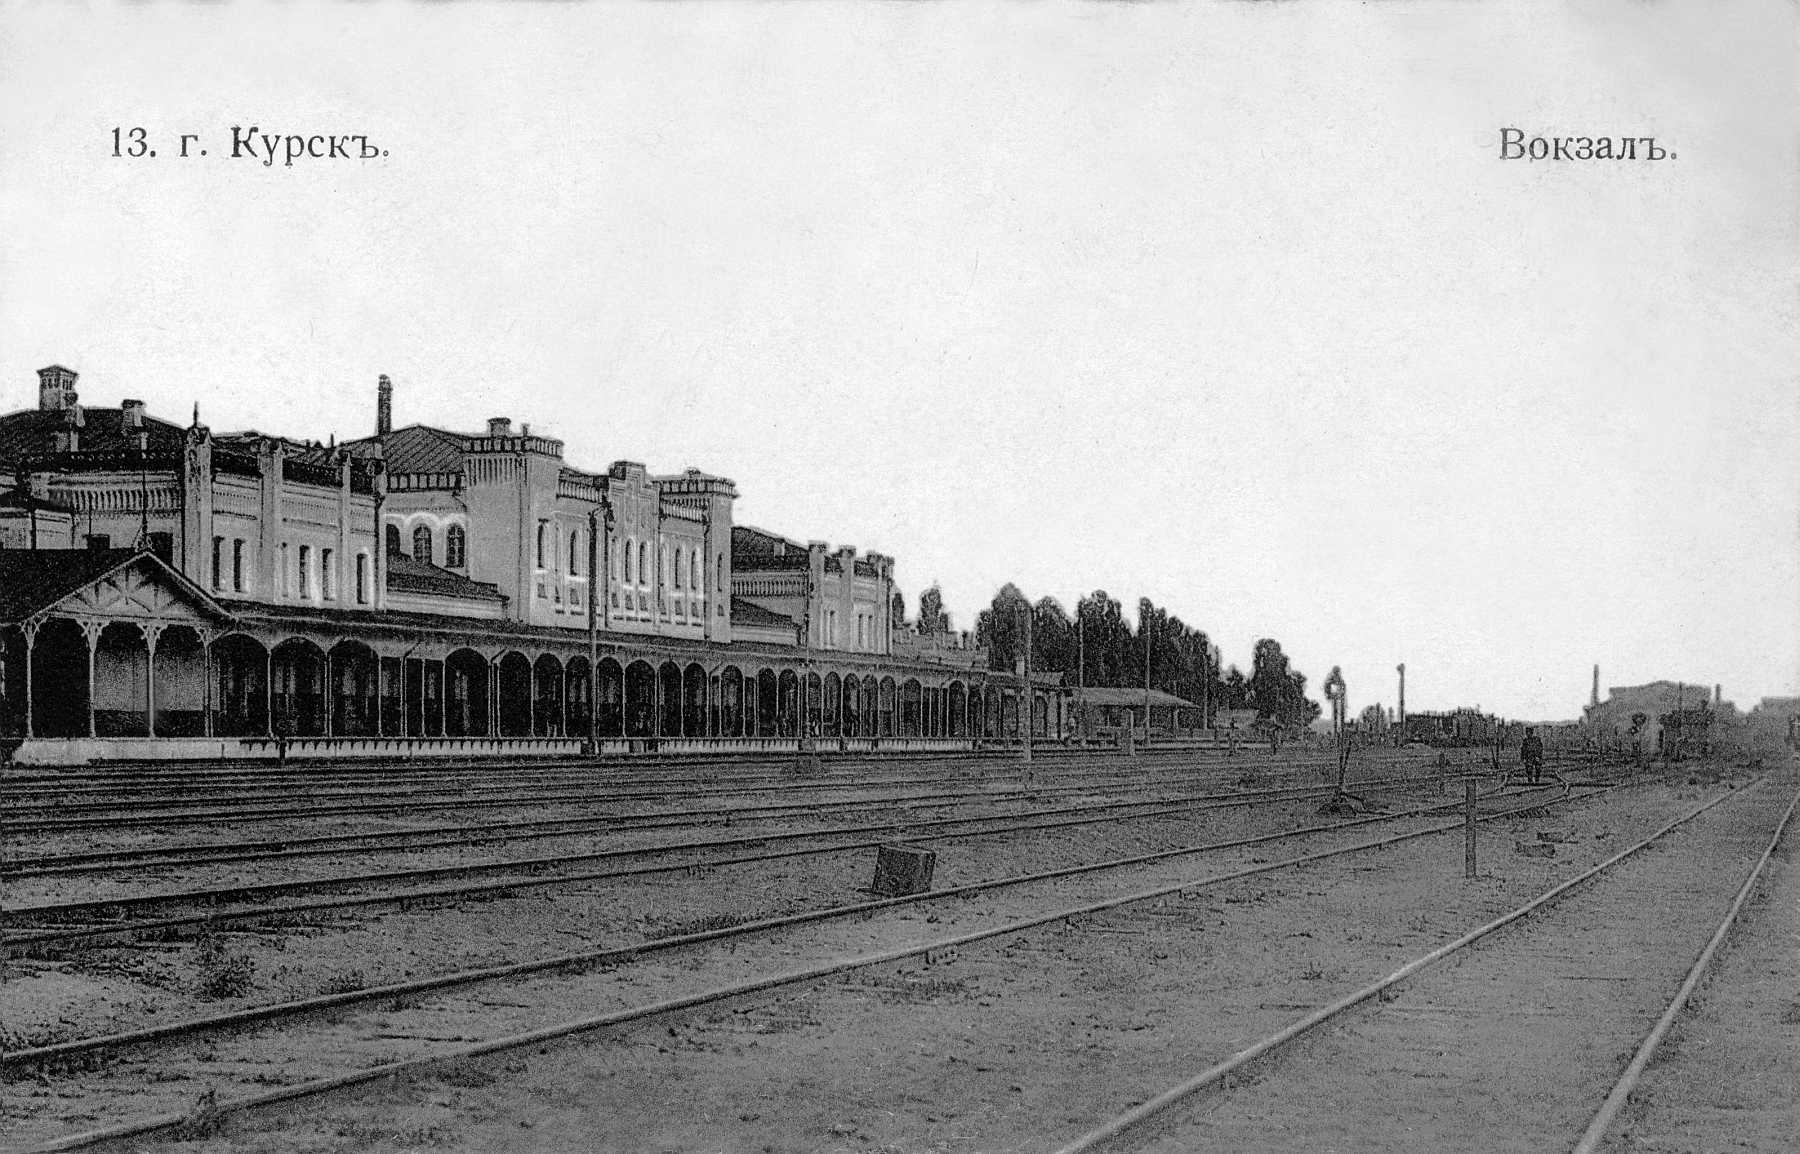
[
  {"x": 1081, "y": 667},
  {"x": 1030, "y": 694},
  {"x": 1146, "y": 627}
]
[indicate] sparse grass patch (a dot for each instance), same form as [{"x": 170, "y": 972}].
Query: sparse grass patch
[
  {"x": 468, "y": 1076},
  {"x": 220, "y": 972},
  {"x": 344, "y": 982},
  {"x": 202, "y": 1121},
  {"x": 702, "y": 925}
]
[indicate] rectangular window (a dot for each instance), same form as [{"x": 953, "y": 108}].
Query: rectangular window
[
  {"x": 327, "y": 580},
  {"x": 286, "y": 573},
  {"x": 305, "y": 576},
  {"x": 99, "y": 541},
  {"x": 218, "y": 569},
  {"x": 362, "y": 578},
  {"x": 237, "y": 564}
]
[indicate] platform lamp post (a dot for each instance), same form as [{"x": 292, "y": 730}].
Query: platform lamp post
[
  {"x": 600, "y": 526},
  {"x": 809, "y": 755},
  {"x": 1400, "y": 739}
]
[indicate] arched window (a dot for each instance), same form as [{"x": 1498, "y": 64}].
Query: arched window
[
  {"x": 575, "y": 553},
  {"x": 422, "y": 543},
  {"x": 456, "y": 547},
  {"x": 541, "y": 534},
  {"x": 677, "y": 566},
  {"x": 720, "y": 588},
  {"x": 626, "y": 554},
  {"x": 393, "y": 539},
  {"x": 643, "y": 562},
  {"x": 694, "y": 571}
]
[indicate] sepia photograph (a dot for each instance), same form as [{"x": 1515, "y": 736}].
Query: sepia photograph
[{"x": 1028, "y": 577}]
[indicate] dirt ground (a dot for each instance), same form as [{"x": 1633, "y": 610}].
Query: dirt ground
[
  {"x": 1012, "y": 1045},
  {"x": 1017, "y": 1043}
]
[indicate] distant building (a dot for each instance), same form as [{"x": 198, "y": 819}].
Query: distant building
[
  {"x": 1112, "y": 708},
  {"x": 1635, "y": 714},
  {"x": 1454, "y": 728}
]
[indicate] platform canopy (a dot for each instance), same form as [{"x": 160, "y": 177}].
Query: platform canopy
[{"x": 101, "y": 585}]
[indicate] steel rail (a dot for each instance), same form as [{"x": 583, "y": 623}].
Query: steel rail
[
  {"x": 616, "y": 954},
  {"x": 208, "y": 853},
  {"x": 844, "y": 765},
  {"x": 638, "y": 767},
  {"x": 23, "y": 804},
  {"x": 805, "y": 974},
  {"x": 1218, "y": 1073},
  {"x": 112, "y": 817},
  {"x": 598, "y": 793},
  {"x": 13, "y": 941},
  {"x": 313, "y": 845},
  {"x": 1628, "y": 1080}
]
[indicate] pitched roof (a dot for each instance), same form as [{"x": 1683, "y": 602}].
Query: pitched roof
[
  {"x": 1104, "y": 695},
  {"x": 750, "y": 613},
  {"x": 410, "y": 575},
  {"x": 35, "y": 579},
  {"x": 423, "y": 449},
  {"x": 32, "y": 432}
]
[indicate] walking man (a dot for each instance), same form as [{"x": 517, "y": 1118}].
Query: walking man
[{"x": 1531, "y": 754}]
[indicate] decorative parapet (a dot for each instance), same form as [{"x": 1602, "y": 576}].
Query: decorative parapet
[{"x": 424, "y": 482}]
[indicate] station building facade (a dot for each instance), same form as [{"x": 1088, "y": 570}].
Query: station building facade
[{"x": 442, "y": 590}]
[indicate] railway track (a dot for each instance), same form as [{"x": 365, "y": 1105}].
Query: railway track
[
  {"x": 34, "y": 820},
  {"x": 531, "y": 871},
  {"x": 233, "y": 784},
  {"x": 1508, "y": 1050},
  {"x": 554, "y": 982},
  {"x": 159, "y": 856}
]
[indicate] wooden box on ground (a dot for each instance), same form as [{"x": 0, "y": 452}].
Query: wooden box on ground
[{"x": 903, "y": 869}]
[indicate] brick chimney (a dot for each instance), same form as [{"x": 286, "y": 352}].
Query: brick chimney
[
  {"x": 56, "y": 388},
  {"x": 499, "y": 426},
  {"x": 384, "y": 406},
  {"x": 131, "y": 414}
]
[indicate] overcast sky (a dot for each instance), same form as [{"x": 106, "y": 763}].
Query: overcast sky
[{"x": 1235, "y": 306}]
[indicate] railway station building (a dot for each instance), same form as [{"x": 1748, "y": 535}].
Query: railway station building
[{"x": 168, "y": 591}]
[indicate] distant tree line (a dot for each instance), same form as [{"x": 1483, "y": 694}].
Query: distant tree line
[{"x": 1097, "y": 646}]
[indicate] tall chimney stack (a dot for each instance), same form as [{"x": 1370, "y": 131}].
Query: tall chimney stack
[
  {"x": 1595, "y": 699},
  {"x": 384, "y": 406}
]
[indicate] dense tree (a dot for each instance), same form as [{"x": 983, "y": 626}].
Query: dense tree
[
  {"x": 1102, "y": 640},
  {"x": 897, "y": 610},
  {"x": 1236, "y": 691},
  {"x": 1000, "y": 628},
  {"x": 1097, "y": 646},
  {"x": 1277, "y": 692},
  {"x": 932, "y": 618}
]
